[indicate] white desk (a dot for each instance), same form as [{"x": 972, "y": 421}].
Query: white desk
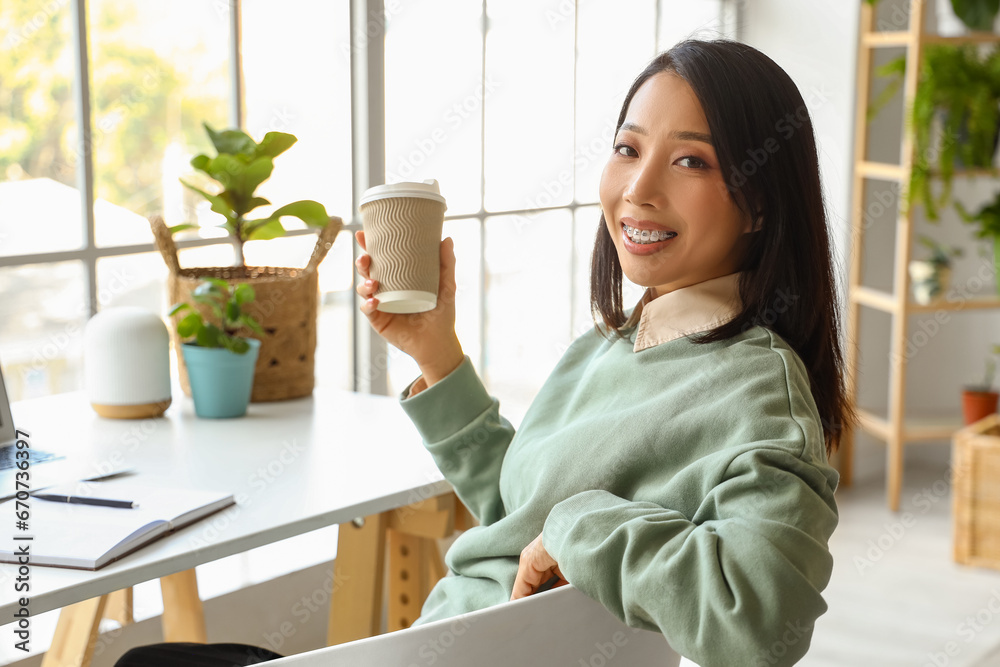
[{"x": 294, "y": 466}]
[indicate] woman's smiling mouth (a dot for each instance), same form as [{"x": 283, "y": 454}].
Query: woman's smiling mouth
[{"x": 643, "y": 241}]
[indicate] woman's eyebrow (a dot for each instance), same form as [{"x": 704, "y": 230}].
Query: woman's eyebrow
[{"x": 680, "y": 135}]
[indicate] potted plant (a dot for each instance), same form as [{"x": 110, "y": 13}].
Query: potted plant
[
  {"x": 980, "y": 400},
  {"x": 239, "y": 167},
  {"x": 959, "y": 91},
  {"x": 962, "y": 90},
  {"x": 988, "y": 219},
  {"x": 220, "y": 362},
  {"x": 287, "y": 298},
  {"x": 930, "y": 278}
]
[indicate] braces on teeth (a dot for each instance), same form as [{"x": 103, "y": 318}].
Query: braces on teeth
[{"x": 646, "y": 236}]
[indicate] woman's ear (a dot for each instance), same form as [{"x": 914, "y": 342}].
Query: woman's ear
[{"x": 754, "y": 223}]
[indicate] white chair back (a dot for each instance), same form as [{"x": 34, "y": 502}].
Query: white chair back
[{"x": 559, "y": 627}]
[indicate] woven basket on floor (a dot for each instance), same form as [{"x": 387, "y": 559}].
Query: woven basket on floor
[
  {"x": 976, "y": 493},
  {"x": 287, "y": 305}
]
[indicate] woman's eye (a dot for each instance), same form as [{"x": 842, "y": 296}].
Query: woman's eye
[
  {"x": 692, "y": 162},
  {"x": 625, "y": 150}
]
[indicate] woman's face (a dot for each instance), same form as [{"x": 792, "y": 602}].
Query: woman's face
[{"x": 663, "y": 175}]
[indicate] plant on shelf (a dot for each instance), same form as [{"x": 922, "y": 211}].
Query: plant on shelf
[
  {"x": 988, "y": 220},
  {"x": 980, "y": 400},
  {"x": 961, "y": 89},
  {"x": 220, "y": 362},
  {"x": 930, "y": 278},
  {"x": 239, "y": 167},
  {"x": 940, "y": 254}
]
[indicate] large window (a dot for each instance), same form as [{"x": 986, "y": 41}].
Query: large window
[{"x": 509, "y": 105}]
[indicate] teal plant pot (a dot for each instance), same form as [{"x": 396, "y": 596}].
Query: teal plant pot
[{"x": 220, "y": 380}]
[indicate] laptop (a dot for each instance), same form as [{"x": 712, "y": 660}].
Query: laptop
[
  {"x": 45, "y": 468},
  {"x": 558, "y": 627}
]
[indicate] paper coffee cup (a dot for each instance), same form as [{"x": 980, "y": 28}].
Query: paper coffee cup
[{"x": 402, "y": 224}]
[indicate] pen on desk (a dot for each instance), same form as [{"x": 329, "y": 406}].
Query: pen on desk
[{"x": 83, "y": 500}]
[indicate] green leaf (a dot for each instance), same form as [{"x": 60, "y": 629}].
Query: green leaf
[
  {"x": 244, "y": 293},
  {"x": 232, "y": 311},
  {"x": 308, "y": 211},
  {"x": 258, "y": 171},
  {"x": 255, "y": 202},
  {"x": 178, "y": 307},
  {"x": 236, "y": 142},
  {"x": 228, "y": 170},
  {"x": 181, "y": 227},
  {"x": 219, "y": 204},
  {"x": 263, "y": 230},
  {"x": 237, "y": 345},
  {"x": 200, "y": 162},
  {"x": 251, "y": 323},
  {"x": 274, "y": 144},
  {"x": 190, "y": 325},
  {"x": 214, "y": 287},
  {"x": 976, "y": 14},
  {"x": 210, "y": 336}
]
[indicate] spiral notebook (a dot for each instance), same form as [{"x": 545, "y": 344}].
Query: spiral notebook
[{"x": 88, "y": 537}]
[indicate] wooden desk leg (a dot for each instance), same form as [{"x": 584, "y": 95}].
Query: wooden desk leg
[
  {"x": 76, "y": 634},
  {"x": 433, "y": 565},
  {"x": 119, "y": 607},
  {"x": 356, "y": 602},
  {"x": 414, "y": 562},
  {"x": 407, "y": 579},
  {"x": 183, "y": 615}
]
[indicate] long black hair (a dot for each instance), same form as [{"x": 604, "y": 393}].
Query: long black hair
[{"x": 763, "y": 138}]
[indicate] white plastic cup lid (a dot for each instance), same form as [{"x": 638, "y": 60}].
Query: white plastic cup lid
[{"x": 426, "y": 189}]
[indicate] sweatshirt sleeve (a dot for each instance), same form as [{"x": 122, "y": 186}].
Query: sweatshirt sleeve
[
  {"x": 461, "y": 427},
  {"x": 738, "y": 583}
]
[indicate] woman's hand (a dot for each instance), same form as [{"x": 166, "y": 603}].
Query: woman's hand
[
  {"x": 428, "y": 337},
  {"x": 534, "y": 569}
]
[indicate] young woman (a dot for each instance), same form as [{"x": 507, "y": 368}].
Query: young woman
[{"x": 674, "y": 464}]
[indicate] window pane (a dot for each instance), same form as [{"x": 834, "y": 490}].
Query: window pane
[
  {"x": 42, "y": 316},
  {"x": 158, "y": 71},
  {"x": 297, "y": 79},
  {"x": 211, "y": 255},
  {"x": 606, "y": 67},
  {"x": 700, "y": 19},
  {"x": 529, "y": 129},
  {"x": 527, "y": 304},
  {"x": 133, "y": 280},
  {"x": 466, "y": 234},
  {"x": 586, "y": 222},
  {"x": 433, "y": 98},
  {"x": 334, "y": 333},
  {"x": 38, "y": 131}
]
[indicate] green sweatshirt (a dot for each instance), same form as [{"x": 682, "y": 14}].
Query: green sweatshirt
[{"x": 683, "y": 486}]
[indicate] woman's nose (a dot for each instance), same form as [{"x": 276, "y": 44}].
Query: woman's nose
[{"x": 645, "y": 187}]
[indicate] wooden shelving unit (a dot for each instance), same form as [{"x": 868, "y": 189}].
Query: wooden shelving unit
[{"x": 894, "y": 429}]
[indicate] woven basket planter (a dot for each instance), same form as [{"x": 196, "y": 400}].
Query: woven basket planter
[
  {"x": 976, "y": 493},
  {"x": 286, "y": 306}
]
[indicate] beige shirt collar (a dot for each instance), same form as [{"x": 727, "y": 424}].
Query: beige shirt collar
[{"x": 685, "y": 311}]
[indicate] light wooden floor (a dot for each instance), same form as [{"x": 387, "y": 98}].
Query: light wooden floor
[{"x": 896, "y": 596}]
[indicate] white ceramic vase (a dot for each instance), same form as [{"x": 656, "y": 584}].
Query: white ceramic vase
[{"x": 127, "y": 363}]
